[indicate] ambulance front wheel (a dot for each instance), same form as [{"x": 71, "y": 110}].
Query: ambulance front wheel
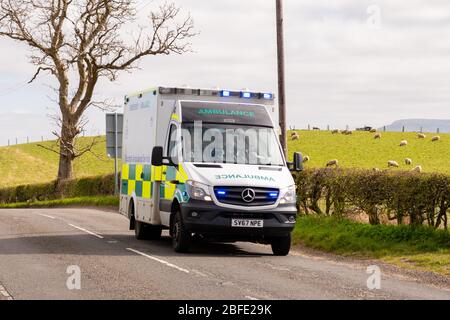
[
  {"x": 281, "y": 246},
  {"x": 181, "y": 237}
]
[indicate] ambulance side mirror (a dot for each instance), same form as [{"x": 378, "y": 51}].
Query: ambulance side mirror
[
  {"x": 157, "y": 156},
  {"x": 297, "y": 165}
]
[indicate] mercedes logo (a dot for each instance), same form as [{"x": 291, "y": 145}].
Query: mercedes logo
[{"x": 248, "y": 195}]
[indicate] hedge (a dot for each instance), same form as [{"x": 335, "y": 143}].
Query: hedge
[
  {"x": 406, "y": 197},
  {"x": 91, "y": 186},
  {"x": 402, "y": 196}
]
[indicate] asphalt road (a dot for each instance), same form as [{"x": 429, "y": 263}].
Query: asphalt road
[{"x": 38, "y": 246}]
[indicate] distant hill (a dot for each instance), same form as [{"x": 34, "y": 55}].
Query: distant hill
[{"x": 427, "y": 125}]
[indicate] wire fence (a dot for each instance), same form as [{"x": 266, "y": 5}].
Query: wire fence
[{"x": 369, "y": 128}]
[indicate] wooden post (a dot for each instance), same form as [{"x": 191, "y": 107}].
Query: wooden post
[{"x": 281, "y": 75}]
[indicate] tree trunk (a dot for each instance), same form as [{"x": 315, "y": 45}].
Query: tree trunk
[{"x": 67, "y": 152}]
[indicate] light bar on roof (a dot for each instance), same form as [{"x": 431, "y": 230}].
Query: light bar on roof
[{"x": 215, "y": 93}]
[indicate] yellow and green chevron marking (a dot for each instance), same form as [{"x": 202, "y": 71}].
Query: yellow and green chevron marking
[{"x": 139, "y": 179}]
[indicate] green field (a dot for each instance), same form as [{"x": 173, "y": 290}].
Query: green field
[
  {"x": 361, "y": 150},
  {"x": 30, "y": 164}
]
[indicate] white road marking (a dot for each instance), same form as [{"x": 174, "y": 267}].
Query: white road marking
[
  {"x": 251, "y": 298},
  {"x": 200, "y": 273},
  {"x": 87, "y": 231},
  {"x": 5, "y": 293},
  {"x": 46, "y": 216},
  {"x": 159, "y": 260}
]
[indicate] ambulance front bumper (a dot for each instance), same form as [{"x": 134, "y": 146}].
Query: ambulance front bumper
[{"x": 210, "y": 220}]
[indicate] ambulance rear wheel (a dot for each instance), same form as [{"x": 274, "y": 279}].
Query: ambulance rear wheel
[
  {"x": 154, "y": 232},
  {"x": 140, "y": 230},
  {"x": 145, "y": 231},
  {"x": 181, "y": 238}
]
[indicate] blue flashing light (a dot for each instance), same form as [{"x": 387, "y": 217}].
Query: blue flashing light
[
  {"x": 225, "y": 93},
  {"x": 246, "y": 95},
  {"x": 273, "y": 195},
  {"x": 267, "y": 96},
  {"x": 221, "y": 193}
]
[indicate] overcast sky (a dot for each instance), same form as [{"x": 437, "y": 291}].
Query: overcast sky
[{"x": 349, "y": 62}]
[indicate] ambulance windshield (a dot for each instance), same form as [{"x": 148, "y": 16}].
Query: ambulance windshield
[{"x": 229, "y": 133}]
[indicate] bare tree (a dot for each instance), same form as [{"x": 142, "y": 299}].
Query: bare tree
[{"x": 81, "y": 41}]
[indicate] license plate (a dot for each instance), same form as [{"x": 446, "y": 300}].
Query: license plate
[{"x": 246, "y": 223}]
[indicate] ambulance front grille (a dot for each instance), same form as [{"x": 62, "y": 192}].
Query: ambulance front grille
[{"x": 235, "y": 196}]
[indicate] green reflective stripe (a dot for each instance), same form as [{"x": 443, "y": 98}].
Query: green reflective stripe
[
  {"x": 138, "y": 179},
  {"x": 139, "y": 188},
  {"x": 132, "y": 172}
]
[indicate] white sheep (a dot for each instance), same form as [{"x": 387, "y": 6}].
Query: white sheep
[
  {"x": 295, "y": 136},
  {"x": 376, "y": 170},
  {"x": 373, "y": 131},
  {"x": 393, "y": 164},
  {"x": 417, "y": 169},
  {"x": 422, "y": 136},
  {"x": 377, "y": 136},
  {"x": 403, "y": 143},
  {"x": 306, "y": 159},
  {"x": 333, "y": 163},
  {"x": 335, "y": 131},
  {"x": 435, "y": 138},
  {"x": 408, "y": 161}
]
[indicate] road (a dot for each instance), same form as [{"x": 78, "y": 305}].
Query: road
[{"x": 38, "y": 246}]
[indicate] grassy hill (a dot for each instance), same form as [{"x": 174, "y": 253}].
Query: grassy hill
[
  {"x": 360, "y": 150},
  {"x": 29, "y": 163}
]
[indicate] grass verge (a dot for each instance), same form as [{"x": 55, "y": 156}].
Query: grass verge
[
  {"x": 419, "y": 248},
  {"x": 100, "y": 201}
]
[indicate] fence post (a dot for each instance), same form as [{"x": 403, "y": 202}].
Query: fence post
[
  {"x": 438, "y": 130},
  {"x": 403, "y": 129},
  {"x": 384, "y": 128}
]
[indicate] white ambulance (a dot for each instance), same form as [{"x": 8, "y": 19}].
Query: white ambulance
[{"x": 207, "y": 164}]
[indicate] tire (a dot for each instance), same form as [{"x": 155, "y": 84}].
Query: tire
[
  {"x": 281, "y": 246},
  {"x": 147, "y": 232},
  {"x": 140, "y": 230},
  {"x": 153, "y": 232},
  {"x": 181, "y": 238}
]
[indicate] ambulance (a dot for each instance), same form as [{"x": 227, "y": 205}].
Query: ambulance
[{"x": 207, "y": 164}]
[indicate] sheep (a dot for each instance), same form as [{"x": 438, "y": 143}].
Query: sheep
[
  {"x": 408, "y": 161},
  {"x": 417, "y": 169},
  {"x": 344, "y": 132},
  {"x": 435, "y": 138},
  {"x": 335, "y": 131},
  {"x": 295, "y": 136},
  {"x": 377, "y": 136},
  {"x": 348, "y": 132},
  {"x": 422, "y": 136},
  {"x": 333, "y": 163},
  {"x": 373, "y": 131},
  {"x": 306, "y": 159},
  {"x": 377, "y": 170},
  {"x": 393, "y": 164},
  {"x": 403, "y": 143}
]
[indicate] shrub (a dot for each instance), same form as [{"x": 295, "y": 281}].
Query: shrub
[
  {"x": 92, "y": 186},
  {"x": 421, "y": 198}
]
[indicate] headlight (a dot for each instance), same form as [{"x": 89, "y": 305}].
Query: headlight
[
  {"x": 198, "y": 191},
  {"x": 289, "y": 195}
]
